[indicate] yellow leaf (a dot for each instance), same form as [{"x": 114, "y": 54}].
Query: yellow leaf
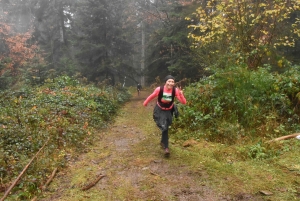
[
  {"x": 279, "y": 63},
  {"x": 262, "y": 5}
]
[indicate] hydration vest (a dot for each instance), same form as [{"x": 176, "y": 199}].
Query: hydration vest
[{"x": 165, "y": 105}]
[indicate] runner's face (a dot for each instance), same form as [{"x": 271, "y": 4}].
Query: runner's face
[{"x": 170, "y": 83}]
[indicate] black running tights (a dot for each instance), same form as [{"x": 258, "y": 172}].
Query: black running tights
[{"x": 165, "y": 138}]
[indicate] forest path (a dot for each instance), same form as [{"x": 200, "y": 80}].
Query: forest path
[{"x": 132, "y": 162}]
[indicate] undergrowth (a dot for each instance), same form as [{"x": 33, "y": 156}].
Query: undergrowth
[
  {"x": 232, "y": 115},
  {"x": 63, "y": 111},
  {"x": 236, "y": 104}
]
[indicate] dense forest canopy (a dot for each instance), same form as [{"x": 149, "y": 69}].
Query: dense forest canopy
[{"x": 132, "y": 41}]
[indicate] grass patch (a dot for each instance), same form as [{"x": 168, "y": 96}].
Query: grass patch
[{"x": 231, "y": 173}]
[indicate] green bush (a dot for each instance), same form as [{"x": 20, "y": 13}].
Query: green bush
[
  {"x": 62, "y": 110},
  {"x": 237, "y": 103}
]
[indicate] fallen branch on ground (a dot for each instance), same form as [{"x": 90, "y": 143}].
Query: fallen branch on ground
[
  {"x": 285, "y": 137},
  {"x": 93, "y": 183},
  {"x": 23, "y": 171},
  {"x": 49, "y": 180},
  {"x": 154, "y": 174},
  {"x": 34, "y": 199}
]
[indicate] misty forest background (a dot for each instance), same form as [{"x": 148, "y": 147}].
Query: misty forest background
[{"x": 66, "y": 67}]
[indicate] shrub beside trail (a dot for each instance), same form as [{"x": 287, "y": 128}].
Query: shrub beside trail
[
  {"x": 63, "y": 111},
  {"x": 237, "y": 104}
]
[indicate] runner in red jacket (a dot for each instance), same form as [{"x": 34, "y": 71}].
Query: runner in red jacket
[{"x": 163, "y": 110}]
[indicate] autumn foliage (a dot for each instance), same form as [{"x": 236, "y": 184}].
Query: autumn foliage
[
  {"x": 251, "y": 30},
  {"x": 18, "y": 51}
]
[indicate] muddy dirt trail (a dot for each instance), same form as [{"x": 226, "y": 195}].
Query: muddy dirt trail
[{"x": 133, "y": 166}]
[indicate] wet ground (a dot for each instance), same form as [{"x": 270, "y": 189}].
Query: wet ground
[{"x": 133, "y": 166}]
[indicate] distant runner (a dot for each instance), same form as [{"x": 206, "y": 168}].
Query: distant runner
[{"x": 139, "y": 88}]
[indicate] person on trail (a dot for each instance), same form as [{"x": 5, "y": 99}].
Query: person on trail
[
  {"x": 164, "y": 108},
  {"x": 139, "y": 88}
]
